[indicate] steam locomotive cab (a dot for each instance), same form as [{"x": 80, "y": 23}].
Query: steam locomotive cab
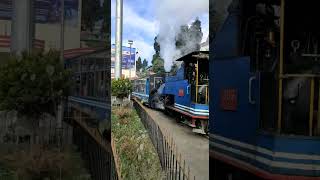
[
  {"x": 187, "y": 93},
  {"x": 266, "y": 90}
]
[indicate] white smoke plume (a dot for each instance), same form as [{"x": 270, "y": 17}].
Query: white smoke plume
[{"x": 171, "y": 15}]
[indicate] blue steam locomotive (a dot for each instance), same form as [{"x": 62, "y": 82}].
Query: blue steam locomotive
[
  {"x": 266, "y": 92},
  {"x": 184, "y": 95}
]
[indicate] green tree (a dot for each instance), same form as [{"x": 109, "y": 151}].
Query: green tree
[
  {"x": 157, "y": 61},
  {"x": 33, "y": 83},
  {"x": 139, "y": 65},
  {"x": 174, "y": 69},
  {"x": 91, "y": 12},
  {"x": 182, "y": 37},
  {"x": 195, "y": 33},
  {"x": 145, "y": 64},
  {"x": 189, "y": 38},
  {"x": 121, "y": 87},
  {"x": 156, "y": 45},
  {"x": 158, "y": 65}
]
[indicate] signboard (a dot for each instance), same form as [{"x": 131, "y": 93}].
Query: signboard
[
  {"x": 229, "y": 99},
  {"x": 47, "y": 11},
  {"x": 127, "y": 61}
]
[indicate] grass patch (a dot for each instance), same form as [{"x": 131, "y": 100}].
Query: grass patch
[{"x": 138, "y": 157}]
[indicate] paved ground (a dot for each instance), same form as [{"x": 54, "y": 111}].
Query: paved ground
[{"x": 193, "y": 148}]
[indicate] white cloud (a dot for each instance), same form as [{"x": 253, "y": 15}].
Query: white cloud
[
  {"x": 132, "y": 20},
  {"x": 134, "y": 25},
  {"x": 205, "y": 26},
  {"x": 144, "y": 49}
]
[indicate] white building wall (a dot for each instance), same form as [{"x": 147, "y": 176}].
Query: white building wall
[{"x": 50, "y": 33}]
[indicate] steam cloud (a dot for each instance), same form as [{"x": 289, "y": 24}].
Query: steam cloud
[{"x": 171, "y": 15}]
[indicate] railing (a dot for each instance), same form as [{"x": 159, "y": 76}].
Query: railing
[
  {"x": 117, "y": 164},
  {"x": 171, "y": 161},
  {"x": 105, "y": 148}
]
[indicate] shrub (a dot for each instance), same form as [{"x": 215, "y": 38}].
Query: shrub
[
  {"x": 41, "y": 162},
  {"x": 123, "y": 113},
  {"x": 121, "y": 87},
  {"x": 33, "y": 83}
]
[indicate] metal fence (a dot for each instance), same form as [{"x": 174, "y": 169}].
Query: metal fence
[
  {"x": 96, "y": 150},
  {"x": 171, "y": 161}
]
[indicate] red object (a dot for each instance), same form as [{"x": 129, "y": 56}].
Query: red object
[
  {"x": 69, "y": 53},
  {"x": 181, "y": 92},
  {"x": 229, "y": 99}
]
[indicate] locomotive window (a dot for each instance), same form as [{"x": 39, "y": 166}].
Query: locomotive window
[
  {"x": 199, "y": 79},
  {"x": 300, "y": 85},
  {"x": 301, "y": 57}
]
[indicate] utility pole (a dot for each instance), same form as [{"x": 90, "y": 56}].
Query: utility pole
[
  {"x": 22, "y": 31},
  {"x": 118, "y": 49},
  {"x": 130, "y": 42},
  {"x": 60, "y": 106},
  {"x": 62, "y": 32}
]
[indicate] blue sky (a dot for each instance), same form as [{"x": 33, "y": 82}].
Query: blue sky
[{"x": 140, "y": 25}]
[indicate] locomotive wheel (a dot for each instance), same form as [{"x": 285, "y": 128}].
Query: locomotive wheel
[{"x": 179, "y": 119}]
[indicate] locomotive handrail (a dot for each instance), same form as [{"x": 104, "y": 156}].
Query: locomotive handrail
[
  {"x": 95, "y": 135},
  {"x": 251, "y": 101}
]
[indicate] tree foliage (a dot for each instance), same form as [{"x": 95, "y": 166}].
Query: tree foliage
[
  {"x": 156, "y": 45},
  {"x": 33, "y": 83},
  {"x": 139, "y": 64},
  {"x": 121, "y": 87},
  {"x": 157, "y": 61},
  {"x": 174, "y": 69},
  {"x": 145, "y": 64},
  {"x": 189, "y": 38},
  {"x": 158, "y": 64}
]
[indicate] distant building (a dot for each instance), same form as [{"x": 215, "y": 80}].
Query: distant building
[{"x": 128, "y": 65}]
